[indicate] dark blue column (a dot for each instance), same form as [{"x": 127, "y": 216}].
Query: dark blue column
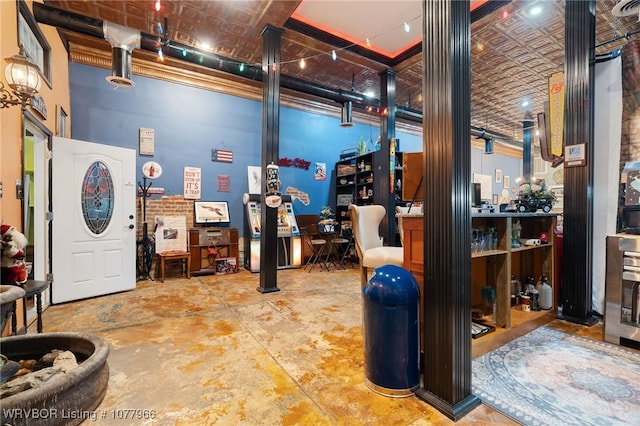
[
  {"x": 387, "y": 132},
  {"x": 527, "y": 137},
  {"x": 446, "y": 64},
  {"x": 577, "y": 266},
  {"x": 270, "y": 149}
]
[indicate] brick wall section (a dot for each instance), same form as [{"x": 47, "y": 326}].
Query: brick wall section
[
  {"x": 171, "y": 205},
  {"x": 630, "y": 141}
]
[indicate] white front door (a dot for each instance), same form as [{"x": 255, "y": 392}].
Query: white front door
[{"x": 94, "y": 236}]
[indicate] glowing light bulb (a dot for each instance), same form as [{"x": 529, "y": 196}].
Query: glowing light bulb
[
  {"x": 303, "y": 64},
  {"x": 334, "y": 55},
  {"x": 505, "y": 14},
  {"x": 184, "y": 53},
  {"x": 241, "y": 67},
  {"x": 274, "y": 67},
  {"x": 368, "y": 42},
  {"x": 407, "y": 27},
  {"x": 157, "y": 6},
  {"x": 536, "y": 10},
  {"x": 160, "y": 54}
]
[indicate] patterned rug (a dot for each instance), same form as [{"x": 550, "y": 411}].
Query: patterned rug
[{"x": 548, "y": 377}]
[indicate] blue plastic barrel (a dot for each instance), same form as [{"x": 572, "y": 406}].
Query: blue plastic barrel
[{"x": 391, "y": 332}]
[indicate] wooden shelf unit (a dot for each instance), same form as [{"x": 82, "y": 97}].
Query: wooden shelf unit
[
  {"x": 201, "y": 239},
  {"x": 495, "y": 267},
  {"x": 358, "y": 182}
]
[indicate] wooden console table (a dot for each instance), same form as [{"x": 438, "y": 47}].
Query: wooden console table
[
  {"x": 184, "y": 257},
  {"x": 225, "y": 240}
]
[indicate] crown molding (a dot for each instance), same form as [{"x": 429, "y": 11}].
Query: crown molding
[{"x": 145, "y": 64}]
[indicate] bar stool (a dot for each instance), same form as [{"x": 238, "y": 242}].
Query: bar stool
[
  {"x": 336, "y": 251},
  {"x": 344, "y": 245},
  {"x": 317, "y": 247}
]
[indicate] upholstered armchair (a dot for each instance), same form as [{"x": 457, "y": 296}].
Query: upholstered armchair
[{"x": 365, "y": 221}]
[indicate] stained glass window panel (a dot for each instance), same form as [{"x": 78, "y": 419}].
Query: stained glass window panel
[{"x": 97, "y": 197}]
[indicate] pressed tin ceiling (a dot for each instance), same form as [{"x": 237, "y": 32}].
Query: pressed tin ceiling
[{"x": 513, "y": 51}]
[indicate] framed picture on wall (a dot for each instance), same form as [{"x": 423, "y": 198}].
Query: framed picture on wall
[
  {"x": 505, "y": 182},
  {"x": 498, "y": 176},
  {"x": 211, "y": 212}
]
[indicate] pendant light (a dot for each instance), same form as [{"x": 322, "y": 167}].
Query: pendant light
[
  {"x": 488, "y": 146},
  {"x": 347, "y": 120}
]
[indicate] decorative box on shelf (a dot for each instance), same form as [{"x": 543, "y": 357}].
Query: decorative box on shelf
[{"x": 345, "y": 169}]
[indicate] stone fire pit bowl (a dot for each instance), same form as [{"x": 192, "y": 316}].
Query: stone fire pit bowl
[{"x": 66, "y": 399}]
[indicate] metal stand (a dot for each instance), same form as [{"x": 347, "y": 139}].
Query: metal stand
[{"x": 145, "y": 248}]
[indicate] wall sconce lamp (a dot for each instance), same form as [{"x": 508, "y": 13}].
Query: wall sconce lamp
[{"x": 24, "y": 79}]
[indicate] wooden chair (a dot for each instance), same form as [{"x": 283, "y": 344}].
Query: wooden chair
[
  {"x": 167, "y": 256},
  {"x": 365, "y": 221}
]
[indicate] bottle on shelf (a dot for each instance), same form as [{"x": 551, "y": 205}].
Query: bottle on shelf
[
  {"x": 516, "y": 290},
  {"x": 545, "y": 291},
  {"x": 533, "y": 294}
]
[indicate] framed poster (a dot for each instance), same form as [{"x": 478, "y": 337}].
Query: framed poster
[
  {"x": 192, "y": 183},
  {"x": 146, "y": 140},
  {"x": 171, "y": 234},
  {"x": 226, "y": 265}
]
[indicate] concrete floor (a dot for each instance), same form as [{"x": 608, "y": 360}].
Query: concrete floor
[{"x": 213, "y": 350}]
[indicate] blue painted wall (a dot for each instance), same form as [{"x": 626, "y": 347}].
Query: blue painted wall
[{"x": 190, "y": 122}]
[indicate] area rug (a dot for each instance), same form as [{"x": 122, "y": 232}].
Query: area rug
[{"x": 548, "y": 377}]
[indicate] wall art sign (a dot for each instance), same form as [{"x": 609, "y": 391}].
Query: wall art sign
[
  {"x": 146, "y": 141},
  {"x": 192, "y": 183},
  {"x": 224, "y": 183},
  {"x": 222, "y": 155},
  {"x": 574, "y": 155}
]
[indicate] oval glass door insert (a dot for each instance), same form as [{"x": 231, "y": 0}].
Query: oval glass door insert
[{"x": 97, "y": 197}]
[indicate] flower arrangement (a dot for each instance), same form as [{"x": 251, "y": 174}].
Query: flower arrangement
[
  {"x": 326, "y": 214},
  {"x": 537, "y": 188}
]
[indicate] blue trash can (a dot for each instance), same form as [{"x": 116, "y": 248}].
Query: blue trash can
[{"x": 391, "y": 332}]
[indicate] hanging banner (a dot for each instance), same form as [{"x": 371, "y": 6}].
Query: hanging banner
[
  {"x": 192, "y": 183},
  {"x": 392, "y": 165},
  {"x": 556, "y": 112}
]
